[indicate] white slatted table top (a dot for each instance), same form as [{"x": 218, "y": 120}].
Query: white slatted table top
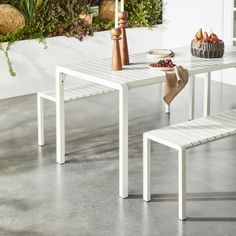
[
  {"x": 138, "y": 74},
  {"x": 196, "y": 132}
]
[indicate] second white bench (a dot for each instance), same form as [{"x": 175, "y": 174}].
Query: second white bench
[{"x": 181, "y": 137}]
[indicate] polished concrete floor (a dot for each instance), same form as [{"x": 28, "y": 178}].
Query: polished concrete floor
[{"x": 80, "y": 198}]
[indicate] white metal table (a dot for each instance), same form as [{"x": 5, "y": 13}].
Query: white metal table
[{"x": 135, "y": 75}]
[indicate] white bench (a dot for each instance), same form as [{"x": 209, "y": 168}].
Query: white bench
[
  {"x": 181, "y": 137},
  {"x": 82, "y": 89}
]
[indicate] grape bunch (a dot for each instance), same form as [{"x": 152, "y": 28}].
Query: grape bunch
[{"x": 164, "y": 63}]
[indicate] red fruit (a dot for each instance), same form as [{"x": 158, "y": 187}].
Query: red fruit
[{"x": 214, "y": 38}]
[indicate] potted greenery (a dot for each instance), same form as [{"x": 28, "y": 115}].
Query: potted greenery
[
  {"x": 49, "y": 18},
  {"x": 46, "y": 19}
]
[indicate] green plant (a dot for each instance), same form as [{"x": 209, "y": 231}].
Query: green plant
[
  {"x": 102, "y": 24},
  {"x": 26, "y": 33},
  {"x": 29, "y": 8},
  {"x": 40, "y": 4},
  {"x": 46, "y": 18},
  {"x": 9, "y": 63},
  {"x": 143, "y": 12},
  {"x": 63, "y": 17},
  {"x": 12, "y": 2}
]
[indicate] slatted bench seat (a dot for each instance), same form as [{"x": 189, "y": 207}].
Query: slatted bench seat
[
  {"x": 82, "y": 89},
  {"x": 182, "y": 137}
]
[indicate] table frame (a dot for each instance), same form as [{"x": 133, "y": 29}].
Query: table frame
[
  {"x": 123, "y": 126},
  {"x": 123, "y": 123},
  {"x": 123, "y": 89}
]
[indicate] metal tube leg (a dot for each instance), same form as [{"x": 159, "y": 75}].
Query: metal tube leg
[
  {"x": 146, "y": 169},
  {"x": 167, "y": 108},
  {"x": 182, "y": 184},
  {"x": 41, "y": 141},
  {"x": 191, "y": 97},
  {"x": 123, "y": 142},
  {"x": 207, "y": 95},
  {"x": 60, "y": 118}
]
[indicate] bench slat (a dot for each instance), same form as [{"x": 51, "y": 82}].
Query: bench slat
[
  {"x": 82, "y": 90},
  {"x": 196, "y": 132}
]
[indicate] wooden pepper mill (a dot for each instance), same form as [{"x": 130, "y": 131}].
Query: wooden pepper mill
[
  {"x": 123, "y": 43},
  {"x": 116, "y": 57}
]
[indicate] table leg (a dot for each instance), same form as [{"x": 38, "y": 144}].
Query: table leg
[
  {"x": 123, "y": 142},
  {"x": 207, "y": 95},
  {"x": 167, "y": 107},
  {"x": 60, "y": 118},
  {"x": 191, "y": 97}
]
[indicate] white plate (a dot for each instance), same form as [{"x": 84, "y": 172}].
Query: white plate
[
  {"x": 161, "y": 68},
  {"x": 160, "y": 53}
]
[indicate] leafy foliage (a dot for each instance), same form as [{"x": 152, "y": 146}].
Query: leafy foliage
[
  {"x": 12, "y": 2},
  {"x": 29, "y": 8},
  {"x": 25, "y": 33},
  {"x": 143, "y": 13},
  {"x": 5, "y": 51},
  {"x": 63, "y": 18},
  {"x": 46, "y": 18},
  {"x": 102, "y": 24}
]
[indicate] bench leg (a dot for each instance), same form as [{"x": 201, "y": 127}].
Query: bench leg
[
  {"x": 123, "y": 142},
  {"x": 207, "y": 95},
  {"x": 182, "y": 183},
  {"x": 41, "y": 141},
  {"x": 191, "y": 97},
  {"x": 60, "y": 118},
  {"x": 146, "y": 169}
]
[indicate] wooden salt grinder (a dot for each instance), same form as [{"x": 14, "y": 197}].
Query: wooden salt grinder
[
  {"x": 116, "y": 57},
  {"x": 123, "y": 43}
]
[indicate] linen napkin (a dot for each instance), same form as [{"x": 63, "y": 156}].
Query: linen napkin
[{"x": 175, "y": 81}]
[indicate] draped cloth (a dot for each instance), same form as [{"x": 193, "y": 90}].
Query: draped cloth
[{"x": 175, "y": 81}]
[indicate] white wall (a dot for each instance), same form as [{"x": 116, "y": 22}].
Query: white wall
[
  {"x": 183, "y": 18},
  {"x": 228, "y": 75},
  {"x": 228, "y": 21}
]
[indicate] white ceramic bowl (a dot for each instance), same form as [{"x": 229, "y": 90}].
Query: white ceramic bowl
[{"x": 159, "y": 53}]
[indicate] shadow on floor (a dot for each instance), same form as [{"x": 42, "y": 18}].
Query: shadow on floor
[
  {"x": 212, "y": 219},
  {"x": 172, "y": 197},
  {"x": 212, "y": 196}
]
